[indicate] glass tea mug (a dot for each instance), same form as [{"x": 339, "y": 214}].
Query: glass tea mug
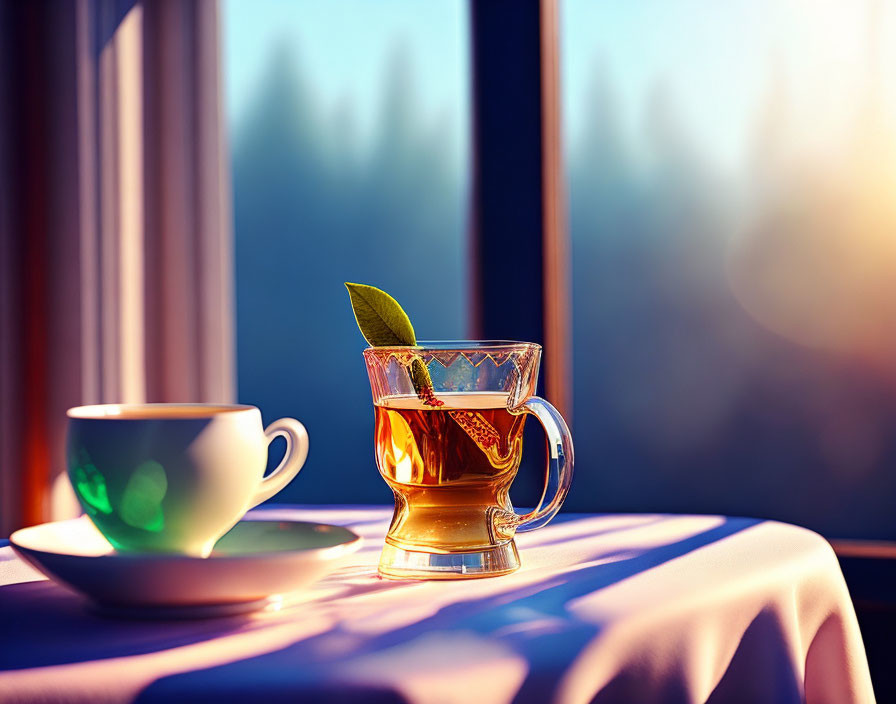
[{"x": 449, "y": 436}]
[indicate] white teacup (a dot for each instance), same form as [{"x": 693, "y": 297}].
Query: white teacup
[{"x": 166, "y": 477}]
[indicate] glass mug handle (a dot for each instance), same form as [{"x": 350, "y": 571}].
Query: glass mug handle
[{"x": 558, "y": 474}]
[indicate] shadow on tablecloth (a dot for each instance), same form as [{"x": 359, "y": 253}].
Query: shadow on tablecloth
[
  {"x": 45, "y": 624},
  {"x": 50, "y": 625},
  {"x": 532, "y": 622}
]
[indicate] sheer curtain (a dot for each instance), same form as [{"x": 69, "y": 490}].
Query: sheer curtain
[{"x": 115, "y": 232}]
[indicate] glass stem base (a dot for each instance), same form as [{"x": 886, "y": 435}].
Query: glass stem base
[{"x": 399, "y": 563}]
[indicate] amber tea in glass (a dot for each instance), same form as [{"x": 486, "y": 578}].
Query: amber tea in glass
[
  {"x": 450, "y": 456},
  {"x": 447, "y": 465}
]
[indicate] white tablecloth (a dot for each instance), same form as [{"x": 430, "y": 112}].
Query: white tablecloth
[{"x": 606, "y": 608}]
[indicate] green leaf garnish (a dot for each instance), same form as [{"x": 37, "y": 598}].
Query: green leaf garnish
[{"x": 383, "y": 323}]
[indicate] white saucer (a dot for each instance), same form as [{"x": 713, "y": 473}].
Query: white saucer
[{"x": 250, "y": 567}]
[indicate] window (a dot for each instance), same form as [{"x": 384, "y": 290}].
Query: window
[
  {"x": 349, "y": 126},
  {"x": 732, "y": 181}
]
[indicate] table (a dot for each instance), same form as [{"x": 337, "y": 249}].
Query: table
[{"x": 606, "y": 608}]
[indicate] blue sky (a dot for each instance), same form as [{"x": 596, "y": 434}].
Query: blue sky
[
  {"x": 718, "y": 61},
  {"x": 344, "y": 47}
]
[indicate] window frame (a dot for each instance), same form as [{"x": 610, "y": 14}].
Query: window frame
[{"x": 520, "y": 282}]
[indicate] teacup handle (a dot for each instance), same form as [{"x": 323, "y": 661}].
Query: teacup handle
[
  {"x": 558, "y": 475},
  {"x": 296, "y": 451}
]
